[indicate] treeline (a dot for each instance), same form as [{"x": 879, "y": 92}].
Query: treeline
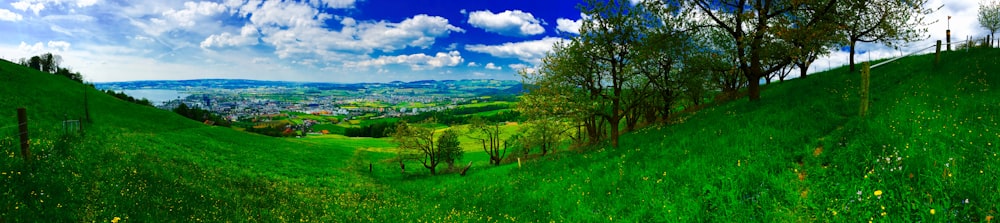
[
  {"x": 128, "y": 98},
  {"x": 457, "y": 116},
  {"x": 639, "y": 63},
  {"x": 378, "y": 129},
  {"x": 460, "y": 115},
  {"x": 201, "y": 115},
  {"x": 50, "y": 63}
]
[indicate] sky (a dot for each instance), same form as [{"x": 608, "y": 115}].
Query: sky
[{"x": 327, "y": 40}]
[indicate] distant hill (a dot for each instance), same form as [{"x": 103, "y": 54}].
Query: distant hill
[{"x": 478, "y": 87}]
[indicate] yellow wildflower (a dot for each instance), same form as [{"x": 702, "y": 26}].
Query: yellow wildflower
[
  {"x": 115, "y": 220},
  {"x": 932, "y": 211},
  {"x": 878, "y": 193}
]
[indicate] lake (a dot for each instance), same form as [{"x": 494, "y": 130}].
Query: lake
[{"x": 156, "y": 96}]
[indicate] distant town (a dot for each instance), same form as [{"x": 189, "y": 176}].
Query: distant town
[{"x": 244, "y": 100}]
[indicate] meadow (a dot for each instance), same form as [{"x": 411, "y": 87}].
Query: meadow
[{"x": 926, "y": 152}]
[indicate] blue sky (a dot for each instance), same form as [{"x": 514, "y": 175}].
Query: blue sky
[
  {"x": 308, "y": 40},
  {"x": 321, "y": 40}
]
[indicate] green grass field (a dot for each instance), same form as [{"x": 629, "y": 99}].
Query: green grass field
[{"x": 927, "y": 152}]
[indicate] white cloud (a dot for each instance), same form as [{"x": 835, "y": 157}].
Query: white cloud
[
  {"x": 59, "y": 45},
  {"x": 418, "y": 61},
  {"x": 7, "y": 15},
  {"x": 192, "y": 12},
  {"x": 248, "y": 36},
  {"x": 527, "y": 68},
  {"x": 570, "y": 26},
  {"x": 39, "y": 47},
  {"x": 26, "y": 5},
  {"x": 299, "y": 29},
  {"x": 286, "y": 14},
  {"x": 193, "y": 16},
  {"x": 473, "y": 64},
  {"x": 463, "y": 11},
  {"x": 529, "y": 51},
  {"x": 508, "y": 23},
  {"x": 417, "y": 31},
  {"x": 332, "y": 3},
  {"x": 85, "y": 3},
  {"x": 492, "y": 66},
  {"x": 39, "y": 5}
]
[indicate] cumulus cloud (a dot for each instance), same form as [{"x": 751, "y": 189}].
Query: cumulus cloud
[
  {"x": 26, "y": 5},
  {"x": 508, "y": 23},
  {"x": 526, "y": 68},
  {"x": 418, "y": 61},
  {"x": 417, "y": 31},
  {"x": 187, "y": 18},
  {"x": 569, "y": 26},
  {"x": 192, "y": 12},
  {"x": 7, "y": 15},
  {"x": 39, "y": 47},
  {"x": 39, "y": 5},
  {"x": 529, "y": 51},
  {"x": 473, "y": 64},
  {"x": 248, "y": 36},
  {"x": 492, "y": 66}
]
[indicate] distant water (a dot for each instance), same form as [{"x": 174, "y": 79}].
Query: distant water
[{"x": 156, "y": 96}]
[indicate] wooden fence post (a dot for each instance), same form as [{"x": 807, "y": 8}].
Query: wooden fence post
[
  {"x": 948, "y": 37},
  {"x": 937, "y": 53},
  {"x": 865, "y": 77},
  {"x": 22, "y": 127}
]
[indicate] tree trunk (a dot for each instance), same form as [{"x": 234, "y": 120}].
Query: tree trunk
[
  {"x": 592, "y": 131},
  {"x": 754, "y": 88},
  {"x": 803, "y": 69},
  {"x": 616, "y": 118},
  {"x": 853, "y": 43}
]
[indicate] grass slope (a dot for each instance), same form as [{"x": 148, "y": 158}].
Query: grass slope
[
  {"x": 800, "y": 154},
  {"x": 143, "y": 164}
]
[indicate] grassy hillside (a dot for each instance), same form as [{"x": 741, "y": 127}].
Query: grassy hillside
[
  {"x": 143, "y": 164},
  {"x": 802, "y": 153}
]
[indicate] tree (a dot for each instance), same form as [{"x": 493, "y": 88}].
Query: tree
[
  {"x": 989, "y": 16},
  {"x": 886, "y": 22},
  {"x": 489, "y": 135},
  {"x": 756, "y": 29},
  {"x": 49, "y": 63},
  {"x": 35, "y": 63},
  {"x": 660, "y": 59},
  {"x": 450, "y": 147},
  {"x": 417, "y": 143},
  {"x": 809, "y": 44},
  {"x": 543, "y": 133}
]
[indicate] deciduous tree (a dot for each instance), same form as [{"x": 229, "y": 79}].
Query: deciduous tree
[
  {"x": 418, "y": 143},
  {"x": 989, "y": 16},
  {"x": 756, "y": 29},
  {"x": 490, "y": 136},
  {"x": 886, "y": 22}
]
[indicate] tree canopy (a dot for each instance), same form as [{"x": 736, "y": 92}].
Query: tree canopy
[{"x": 989, "y": 16}]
